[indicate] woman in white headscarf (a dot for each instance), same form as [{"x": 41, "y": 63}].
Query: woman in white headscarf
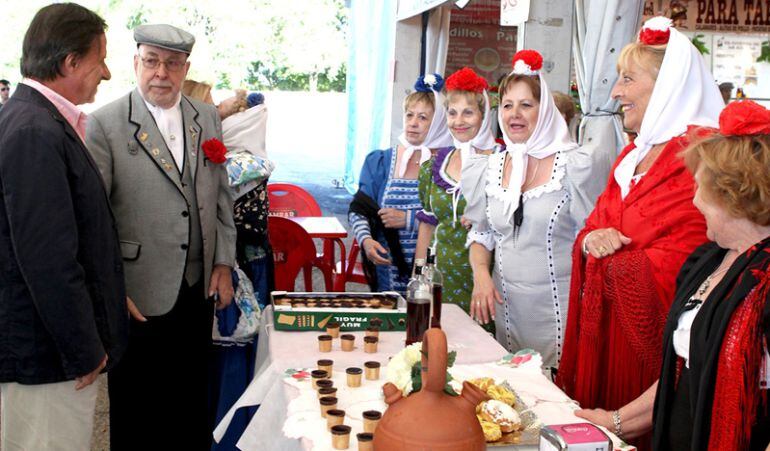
[
  {"x": 644, "y": 225},
  {"x": 441, "y": 225},
  {"x": 383, "y": 210},
  {"x": 527, "y": 205}
]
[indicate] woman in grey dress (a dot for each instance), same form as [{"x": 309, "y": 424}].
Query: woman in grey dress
[{"x": 527, "y": 204}]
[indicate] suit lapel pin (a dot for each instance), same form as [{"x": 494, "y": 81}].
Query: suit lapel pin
[
  {"x": 167, "y": 166},
  {"x": 193, "y": 141},
  {"x": 143, "y": 137},
  {"x": 156, "y": 152}
]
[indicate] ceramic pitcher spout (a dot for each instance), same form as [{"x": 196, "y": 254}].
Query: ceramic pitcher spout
[{"x": 392, "y": 393}]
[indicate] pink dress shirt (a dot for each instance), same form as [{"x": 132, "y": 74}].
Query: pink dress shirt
[{"x": 72, "y": 114}]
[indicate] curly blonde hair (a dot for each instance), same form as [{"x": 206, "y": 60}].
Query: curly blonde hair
[{"x": 734, "y": 173}]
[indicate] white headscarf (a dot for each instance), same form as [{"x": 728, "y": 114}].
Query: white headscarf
[
  {"x": 684, "y": 94},
  {"x": 551, "y": 135},
  {"x": 438, "y": 135},
  {"x": 245, "y": 131},
  {"x": 484, "y": 140}
]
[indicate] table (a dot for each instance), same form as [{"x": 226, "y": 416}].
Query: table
[
  {"x": 279, "y": 350},
  {"x": 331, "y": 230}
]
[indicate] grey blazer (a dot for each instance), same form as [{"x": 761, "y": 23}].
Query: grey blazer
[{"x": 146, "y": 195}]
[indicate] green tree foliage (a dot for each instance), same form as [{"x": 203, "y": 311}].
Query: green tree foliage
[{"x": 256, "y": 44}]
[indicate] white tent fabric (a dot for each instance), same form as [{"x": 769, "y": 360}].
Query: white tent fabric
[
  {"x": 372, "y": 41},
  {"x": 437, "y": 40},
  {"x": 411, "y": 8},
  {"x": 602, "y": 29}
]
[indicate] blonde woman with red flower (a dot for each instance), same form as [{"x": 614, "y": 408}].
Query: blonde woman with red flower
[
  {"x": 644, "y": 225},
  {"x": 527, "y": 205},
  {"x": 712, "y": 387},
  {"x": 441, "y": 223}
]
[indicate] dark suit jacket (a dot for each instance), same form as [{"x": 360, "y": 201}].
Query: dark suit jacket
[{"x": 62, "y": 295}]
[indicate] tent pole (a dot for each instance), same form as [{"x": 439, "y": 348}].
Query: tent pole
[{"x": 423, "y": 41}]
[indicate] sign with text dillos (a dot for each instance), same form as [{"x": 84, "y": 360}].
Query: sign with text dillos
[{"x": 477, "y": 40}]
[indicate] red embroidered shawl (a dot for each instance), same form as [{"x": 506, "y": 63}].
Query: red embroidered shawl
[{"x": 618, "y": 304}]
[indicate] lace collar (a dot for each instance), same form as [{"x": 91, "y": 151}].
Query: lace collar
[{"x": 494, "y": 186}]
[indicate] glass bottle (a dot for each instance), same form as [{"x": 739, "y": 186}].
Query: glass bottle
[
  {"x": 436, "y": 280},
  {"x": 418, "y": 303}
]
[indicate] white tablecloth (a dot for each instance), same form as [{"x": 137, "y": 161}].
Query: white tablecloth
[{"x": 279, "y": 351}]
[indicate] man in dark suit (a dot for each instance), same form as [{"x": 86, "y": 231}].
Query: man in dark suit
[{"x": 63, "y": 315}]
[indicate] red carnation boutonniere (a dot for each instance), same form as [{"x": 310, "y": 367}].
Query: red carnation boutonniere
[{"x": 215, "y": 151}]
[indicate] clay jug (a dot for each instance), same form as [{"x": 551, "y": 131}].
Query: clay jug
[{"x": 431, "y": 419}]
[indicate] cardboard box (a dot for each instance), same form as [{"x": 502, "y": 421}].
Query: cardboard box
[
  {"x": 355, "y": 311},
  {"x": 574, "y": 437}
]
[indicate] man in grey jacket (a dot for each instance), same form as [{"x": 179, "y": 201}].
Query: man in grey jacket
[{"x": 155, "y": 149}]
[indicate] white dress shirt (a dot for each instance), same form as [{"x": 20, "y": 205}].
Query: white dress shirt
[{"x": 169, "y": 122}]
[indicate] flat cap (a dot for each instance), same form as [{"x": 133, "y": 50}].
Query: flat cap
[{"x": 165, "y": 36}]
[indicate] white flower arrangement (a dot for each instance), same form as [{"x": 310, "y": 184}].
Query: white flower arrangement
[
  {"x": 404, "y": 370},
  {"x": 429, "y": 80}
]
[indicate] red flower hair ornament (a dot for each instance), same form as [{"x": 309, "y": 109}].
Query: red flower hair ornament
[
  {"x": 527, "y": 62},
  {"x": 744, "y": 118},
  {"x": 655, "y": 31},
  {"x": 215, "y": 151},
  {"x": 466, "y": 79}
]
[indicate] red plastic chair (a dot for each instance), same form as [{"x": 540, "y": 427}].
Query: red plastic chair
[
  {"x": 293, "y": 249},
  {"x": 289, "y": 200},
  {"x": 353, "y": 271}
]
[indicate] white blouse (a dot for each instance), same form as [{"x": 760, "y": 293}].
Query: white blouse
[{"x": 682, "y": 334}]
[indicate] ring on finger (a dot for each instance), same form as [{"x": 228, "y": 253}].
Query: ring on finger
[{"x": 602, "y": 250}]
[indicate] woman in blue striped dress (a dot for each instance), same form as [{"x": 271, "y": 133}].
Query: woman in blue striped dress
[{"x": 384, "y": 208}]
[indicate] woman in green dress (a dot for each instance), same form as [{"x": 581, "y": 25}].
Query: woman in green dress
[{"x": 441, "y": 223}]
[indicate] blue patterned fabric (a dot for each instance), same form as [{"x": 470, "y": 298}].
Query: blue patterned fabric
[
  {"x": 401, "y": 194},
  {"x": 378, "y": 183}
]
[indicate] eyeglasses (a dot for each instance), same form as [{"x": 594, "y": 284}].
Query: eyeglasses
[
  {"x": 154, "y": 63},
  {"x": 5, "y": 89}
]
